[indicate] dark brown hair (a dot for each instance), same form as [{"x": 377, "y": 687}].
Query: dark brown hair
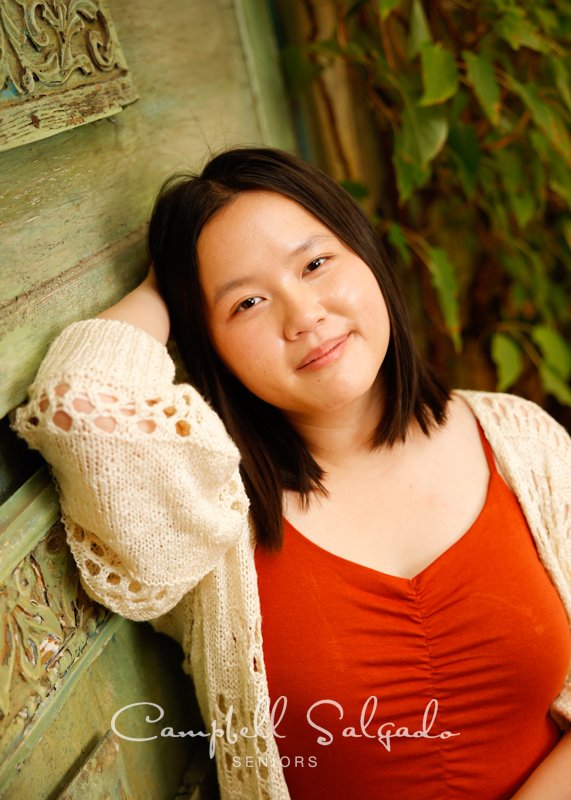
[{"x": 274, "y": 457}]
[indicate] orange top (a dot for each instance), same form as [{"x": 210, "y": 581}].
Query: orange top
[{"x": 433, "y": 688}]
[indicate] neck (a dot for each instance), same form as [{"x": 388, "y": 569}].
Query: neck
[{"x": 339, "y": 437}]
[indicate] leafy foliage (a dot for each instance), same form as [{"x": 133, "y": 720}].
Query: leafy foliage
[{"x": 472, "y": 105}]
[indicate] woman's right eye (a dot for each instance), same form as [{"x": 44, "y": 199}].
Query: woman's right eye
[{"x": 249, "y": 302}]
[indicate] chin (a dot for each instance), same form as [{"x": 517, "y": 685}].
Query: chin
[{"x": 348, "y": 396}]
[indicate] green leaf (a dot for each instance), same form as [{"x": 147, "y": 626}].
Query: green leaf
[
  {"x": 355, "y": 52},
  {"x": 326, "y": 47},
  {"x": 443, "y": 278},
  {"x": 332, "y": 49},
  {"x": 513, "y": 174},
  {"x": 459, "y": 103},
  {"x": 517, "y": 266},
  {"x": 465, "y": 149},
  {"x": 424, "y": 133},
  {"x": 545, "y": 118},
  {"x": 300, "y": 72},
  {"x": 398, "y": 241},
  {"x": 491, "y": 200},
  {"x": 561, "y": 75},
  {"x": 439, "y": 74},
  {"x": 561, "y": 20},
  {"x": 524, "y": 208},
  {"x": 419, "y": 32},
  {"x": 554, "y": 349},
  {"x": 558, "y": 175},
  {"x": 538, "y": 286},
  {"x": 409, "y": 176},
  {"x": 518, "y": 31},
  {"x": 480, "y": 76},
  {"x": 508, "y": 360},
  {"x": 560, "y": 183},
  {"x": 511, "y": 170},
  {"x": 539, "y": 185},
  {"x": 388, "y": 6},
  {"x": 539, "y": 281},
  {"x": 547, "y": 19},
  {"x": 356, "y": 190},
  {"x": 553, "y": 384}
]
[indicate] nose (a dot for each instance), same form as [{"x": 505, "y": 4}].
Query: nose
[{"x": 303, "y": 311}]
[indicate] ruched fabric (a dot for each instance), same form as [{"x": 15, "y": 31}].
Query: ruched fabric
[{"x": 431, "y": 688}]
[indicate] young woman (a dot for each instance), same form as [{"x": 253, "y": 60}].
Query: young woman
[{"x": 370, "y": 575}]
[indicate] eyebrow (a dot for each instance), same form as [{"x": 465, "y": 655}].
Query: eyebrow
[{"x": 302, "y": 247}]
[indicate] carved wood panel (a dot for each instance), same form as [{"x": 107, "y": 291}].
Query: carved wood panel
[
  {"x": 46, "y": 621},
  {"x": 60, "y": 66}
]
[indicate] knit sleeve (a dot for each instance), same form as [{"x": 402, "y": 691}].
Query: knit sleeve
[
  {"x": 534, "y": 451},
  {"x": 559, "y": 483},
  {"x": 549, "y": 492},
  {"x": 147, "y": 476}
]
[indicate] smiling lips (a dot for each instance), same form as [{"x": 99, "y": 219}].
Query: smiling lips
[{"x": 328, "y": 352}]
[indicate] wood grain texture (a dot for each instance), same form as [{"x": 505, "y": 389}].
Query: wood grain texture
[
  {"x": 127, "y": 663},
  {"x": 30, "y": 321},
  {"x": 46, "y": 619},
  {"x": 73, "y": 215},
  {"x": 67, "y": 665},
  {"x": 102, "y": 775},
  {"x": 266, "y": 79},
  {"x": 60, "y": 66}
]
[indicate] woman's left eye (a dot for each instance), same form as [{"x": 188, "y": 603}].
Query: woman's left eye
[
  {"x": 249, "y": 302},
  {"x": 315, "y": 264}
]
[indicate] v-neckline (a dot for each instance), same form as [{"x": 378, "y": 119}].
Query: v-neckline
[{"x": 436, "y": 562}]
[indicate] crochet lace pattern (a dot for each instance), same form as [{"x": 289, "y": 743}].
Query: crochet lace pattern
[{"x": 115, "y": 457}]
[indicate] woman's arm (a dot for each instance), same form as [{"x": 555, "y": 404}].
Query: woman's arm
[
  {"x": 143, "y": 307},
  {"x": 148, "y": 478},
  {"x": 552, "y": 778}
]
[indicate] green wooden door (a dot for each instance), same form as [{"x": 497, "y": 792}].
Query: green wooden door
[{"x": 73, "y": 214}]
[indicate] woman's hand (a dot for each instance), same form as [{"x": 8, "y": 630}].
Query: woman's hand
[
  {"x": 552, "y": 778},
  {"x": 143, "y": 307}
]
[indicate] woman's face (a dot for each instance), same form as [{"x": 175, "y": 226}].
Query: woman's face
[{"x": 295, "y": 315}]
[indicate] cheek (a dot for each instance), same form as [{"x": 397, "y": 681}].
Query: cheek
[
  {"x": 246, "y": 355},
  {"x": 360, "y": 293},
  {"x": 373, "y": 314},
  {"x": 373, "y": 300}
]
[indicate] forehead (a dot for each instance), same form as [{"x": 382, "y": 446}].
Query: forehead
[
  {"x": 256, "y": 218},
  {"x": 252, "y": 236}
]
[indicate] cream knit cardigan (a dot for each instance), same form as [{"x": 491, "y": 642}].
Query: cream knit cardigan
[{"x": 157, "y": 520}]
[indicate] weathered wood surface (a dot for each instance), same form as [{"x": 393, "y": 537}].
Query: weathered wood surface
[
  {"x": 67, "y": 665},
  {"x": 127, "y": 663},
  {"x": 50, "y": 115},
  {"x": 73, "y": 208},
  {"x": 30, "y": 321},
  {"x": 60, "y": 66},
  {"x": 45, "y": 616},
  {"x": 73, "y": 215},
  {"x": 102, "y": 775},
  {"x": 266, "y": 80}
]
